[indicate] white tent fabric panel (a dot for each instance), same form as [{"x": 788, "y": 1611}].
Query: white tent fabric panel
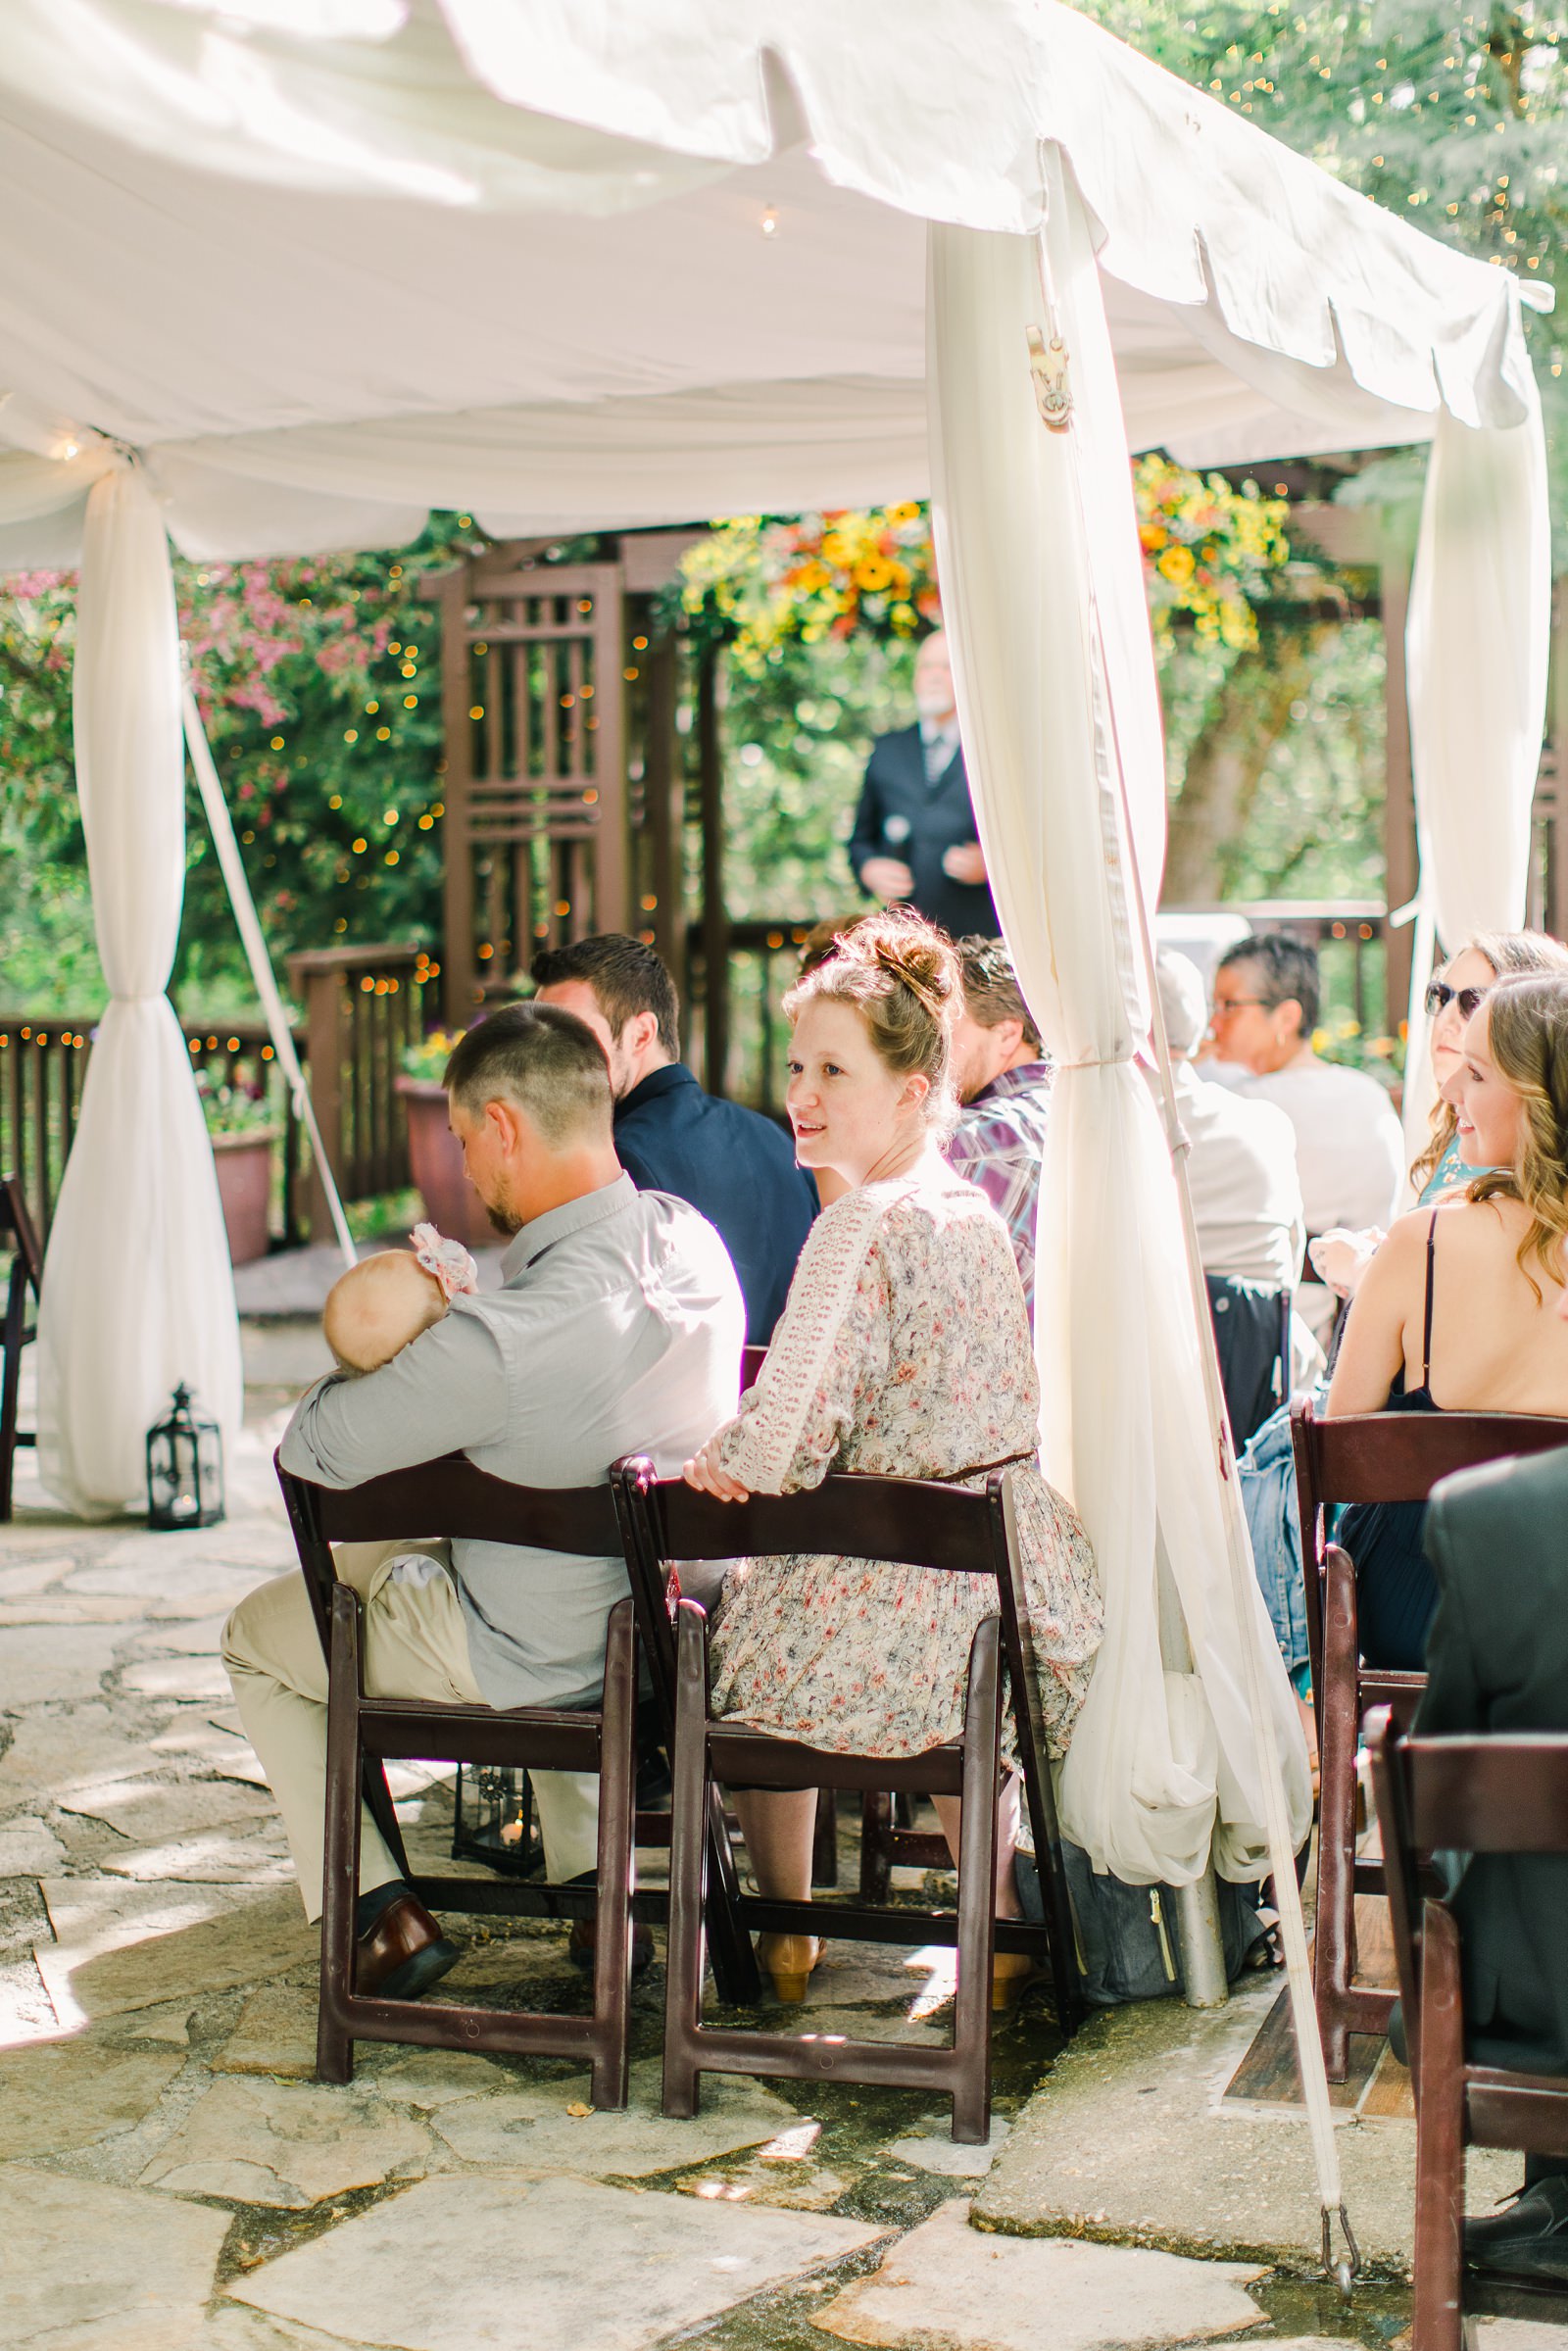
[
  {"x": 1034, "y": 554},
  {"x": 137, "y": 1292},
  {"x": 1482, "y": 581},
  {"x": 699, "y": 279}
]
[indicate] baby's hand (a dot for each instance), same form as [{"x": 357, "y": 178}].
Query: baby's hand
[
  {"x": 447, "y": 1262},
  {"x": 704, "y": 1473}
]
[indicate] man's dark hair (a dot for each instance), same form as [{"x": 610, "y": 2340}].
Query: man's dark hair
[
  {"x": 625, "y": 976},
  {"x": 991, "y": 990},
  {"x": 543, "y": 1058},
  {"x": 1285, "y": 968}
]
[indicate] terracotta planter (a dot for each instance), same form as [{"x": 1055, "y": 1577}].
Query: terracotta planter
[
  {"x": 244, "y": 1164},
  {"x": 435, "y": 1162}
]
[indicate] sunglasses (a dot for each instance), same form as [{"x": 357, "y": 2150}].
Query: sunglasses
[{"x": 1439, "y": 995}]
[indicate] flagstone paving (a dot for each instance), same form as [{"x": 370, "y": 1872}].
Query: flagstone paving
[{"x": 174, "y": 2178}]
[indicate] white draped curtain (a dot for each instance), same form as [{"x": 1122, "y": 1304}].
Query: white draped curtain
[
  {"x": 138, "y": 1293},
  {"x": 1043, "y": 599},
  {"x": 1477, "y": 645}
]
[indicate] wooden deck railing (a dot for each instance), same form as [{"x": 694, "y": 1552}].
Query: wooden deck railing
[
  {"x": 764, "y": 957},
  {"x": 362, "y": 1006}
]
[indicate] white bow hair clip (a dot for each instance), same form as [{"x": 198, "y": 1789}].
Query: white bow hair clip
[{"x": 448, "y": 1261}]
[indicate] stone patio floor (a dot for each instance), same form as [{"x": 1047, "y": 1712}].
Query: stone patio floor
[{"x": 172, "y": 2179}]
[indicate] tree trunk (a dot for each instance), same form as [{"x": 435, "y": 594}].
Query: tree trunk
[{"x": 1226, "y": 766}]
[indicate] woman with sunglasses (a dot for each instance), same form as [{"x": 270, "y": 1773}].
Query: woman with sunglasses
[
  {"x": 1341, "y": 1258},
  {"x": 1457, "y": 1311}
]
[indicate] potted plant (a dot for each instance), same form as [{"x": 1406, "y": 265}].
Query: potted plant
[
  {"x": 243, "y": 1132},
  {"x": 435, "y": 1155}
]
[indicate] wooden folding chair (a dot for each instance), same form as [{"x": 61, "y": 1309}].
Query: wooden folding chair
[
  {"x": 889, "y": 1839},
  {"x": 1484, "y": 1794},
  {"x": 1366, "y": 1457},
  {"x": 27, "y": 1274},
  {"x": 925, "y": 1525},
  {"x": 452, "y": 1498}
]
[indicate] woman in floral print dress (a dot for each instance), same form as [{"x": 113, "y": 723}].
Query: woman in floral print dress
[{"x": 905, "y": 1351}]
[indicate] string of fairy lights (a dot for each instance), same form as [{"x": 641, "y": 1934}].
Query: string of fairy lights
[{"x": 383, "y": 841}]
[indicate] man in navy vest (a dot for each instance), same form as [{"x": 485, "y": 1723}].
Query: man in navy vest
[
  {"x": 914, "y": 834},
  {"x": 736, "y": 1168}
]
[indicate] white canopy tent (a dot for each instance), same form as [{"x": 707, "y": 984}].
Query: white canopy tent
[{"x": 314, "y": 266}]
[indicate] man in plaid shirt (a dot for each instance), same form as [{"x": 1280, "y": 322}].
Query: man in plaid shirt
[{"x": 1004, "y": 1083}]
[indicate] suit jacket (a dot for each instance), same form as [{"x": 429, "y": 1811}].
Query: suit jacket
[
  {"x": 1497, "y": 1660},
  {"x": 737, "y": 1168},
  {"x": 903, "y": 815}
]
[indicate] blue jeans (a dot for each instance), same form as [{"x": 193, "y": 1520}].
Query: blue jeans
[{"x": 1267, "y": 1472}]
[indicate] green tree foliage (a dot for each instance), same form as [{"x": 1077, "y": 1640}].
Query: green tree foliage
[
  {"x": 1272, "y": 702},
  {"x": 1453, "y": 116},
  {"x": 319, "y": 686}
]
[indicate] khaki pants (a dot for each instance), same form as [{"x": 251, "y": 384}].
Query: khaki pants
[{"x": 414, "y": 1645}]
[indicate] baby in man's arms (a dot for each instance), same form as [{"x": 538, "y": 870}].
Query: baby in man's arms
[
  {"x": 378, "y": 1308},
  {"x": 381, "y": 1304}
]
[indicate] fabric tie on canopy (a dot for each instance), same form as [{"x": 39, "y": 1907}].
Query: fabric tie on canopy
[{"x": 138, "y": 1294}]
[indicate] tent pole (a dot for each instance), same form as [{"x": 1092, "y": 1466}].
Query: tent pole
[{"x": 255, "y": 954}]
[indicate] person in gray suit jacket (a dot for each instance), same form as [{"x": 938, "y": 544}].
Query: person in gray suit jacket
[{"x": 1497, "y": 1660}]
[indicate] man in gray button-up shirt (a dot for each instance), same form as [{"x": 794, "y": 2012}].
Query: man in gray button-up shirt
[{"x": 618, "y": 1330}]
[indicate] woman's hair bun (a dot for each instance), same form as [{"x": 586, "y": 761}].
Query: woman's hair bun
[{"x": 911, "y": 950}]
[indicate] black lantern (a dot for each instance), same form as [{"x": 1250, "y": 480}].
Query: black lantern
[
  {"x": 184, "y": 1468},
  {"x": 492, "y": 1820}
]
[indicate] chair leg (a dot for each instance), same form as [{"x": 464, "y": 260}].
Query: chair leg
[
  {"x": 334, "y": 2044},
  {"x": 977, "y": 1881},
  {"x": 729, "y": 1946},
  {"x": 1334, "y": 1940},
  {"x": 1437, "y": 2322},
  {"x": 876, "y": 1845},
  {"x": 11, "y": 1379},
  {"x": 825, "y": 1839},
  {"x": 1034, "y": 1757},
  {"x": 692, "y": 1804},
  {"x": 618, "y": 1769}
]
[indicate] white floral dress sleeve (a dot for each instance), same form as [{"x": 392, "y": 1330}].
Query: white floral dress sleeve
[{"x": 830, "y": 1350}]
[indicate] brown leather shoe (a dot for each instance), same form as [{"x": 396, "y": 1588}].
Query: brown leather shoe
[
  {"x": 582, "y": 1946},
  {"x": 403, "y": 1954}
]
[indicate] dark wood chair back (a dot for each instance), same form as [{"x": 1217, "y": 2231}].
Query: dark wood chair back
[
  {"x": 916, "y": 1523},
  {"x": 24, "y": 1290},
  {"x": 1390, "y": 1457},
  {"x": 1399, "y": 1456},
  {"x": 1367, "y": 1458},
  {"x": 447, "y": 1498},
  {"x": 1486, "y": 1793}
]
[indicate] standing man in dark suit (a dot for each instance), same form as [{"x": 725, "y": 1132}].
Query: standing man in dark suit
[
  {"x": 736, "y": 1168},
  {"x": 1497, "y": 1660},
  {"x": 915, "y": 836}
]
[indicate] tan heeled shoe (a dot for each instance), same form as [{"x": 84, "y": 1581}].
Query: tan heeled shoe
[
  {"x": 789, "y": 1960},
  {"x": 1011, "y": 1973}
]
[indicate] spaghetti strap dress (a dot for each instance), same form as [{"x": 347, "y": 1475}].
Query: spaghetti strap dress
[{"x": 1396, "y": 1593}]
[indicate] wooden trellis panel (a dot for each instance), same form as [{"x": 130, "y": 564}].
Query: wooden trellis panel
[{"x": 536, "y": 787}]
